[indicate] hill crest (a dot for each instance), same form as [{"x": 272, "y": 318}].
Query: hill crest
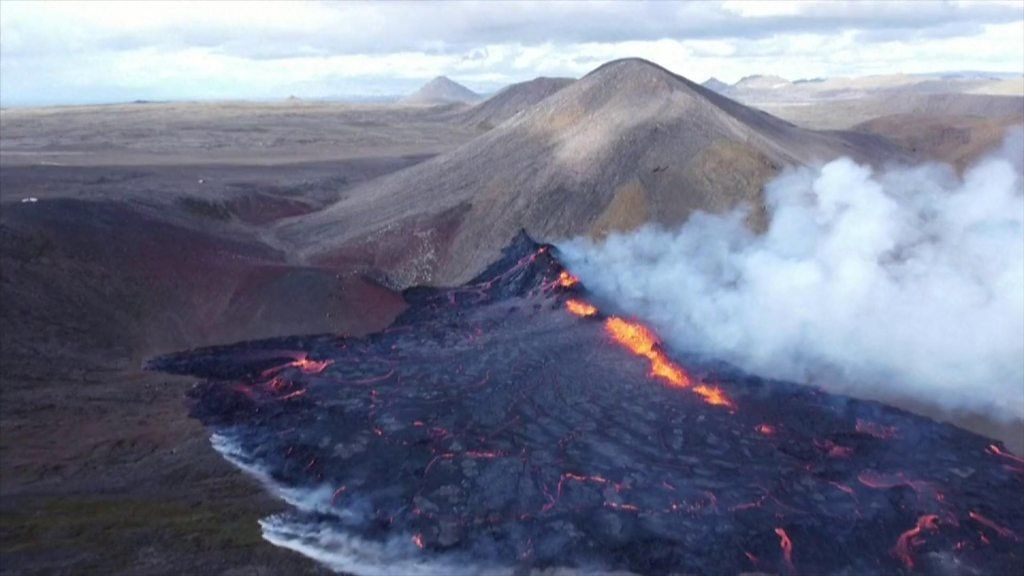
[
  {"x": 442, "y": 90},
  {"x": 627, "y": 144}
]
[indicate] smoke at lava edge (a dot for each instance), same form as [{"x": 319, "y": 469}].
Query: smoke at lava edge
[{"x": 906, "y": 283}]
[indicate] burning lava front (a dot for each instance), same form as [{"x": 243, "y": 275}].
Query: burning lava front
[{"x": 511, "y": 424}]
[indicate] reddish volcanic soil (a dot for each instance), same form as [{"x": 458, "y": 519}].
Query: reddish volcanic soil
[{"x": 102, "y": 470}]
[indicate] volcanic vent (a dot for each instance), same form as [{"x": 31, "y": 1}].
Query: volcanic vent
[{"x": 509, "y": 424}]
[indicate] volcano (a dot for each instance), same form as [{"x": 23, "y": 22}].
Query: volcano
[
  {"x": 442, "y": 90},
  {"x": 510, "y": 424},
  {"x": 628, "y": 144}
]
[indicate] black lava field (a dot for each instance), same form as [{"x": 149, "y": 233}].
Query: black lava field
[{"x": 508, "y": 425}]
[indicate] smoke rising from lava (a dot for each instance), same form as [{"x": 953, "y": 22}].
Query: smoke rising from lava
[{"x": 907, "y": 283}]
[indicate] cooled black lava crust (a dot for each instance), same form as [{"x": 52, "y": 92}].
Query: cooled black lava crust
[{"x": 492, "y": 425}]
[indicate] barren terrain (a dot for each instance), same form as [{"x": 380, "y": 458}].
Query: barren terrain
[
  {"x": 133, "y": 230},
  {"x": 115, "y": 249}
]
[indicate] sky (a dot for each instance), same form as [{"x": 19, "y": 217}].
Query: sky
[{"x": 91, "y": 52}]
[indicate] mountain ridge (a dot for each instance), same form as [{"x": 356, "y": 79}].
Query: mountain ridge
[
  {"x": 512, "y": 100},
  {"x": 627, "y": 144}
]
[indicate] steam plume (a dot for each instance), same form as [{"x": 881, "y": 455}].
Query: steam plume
[{"x": 902, "y": 284}]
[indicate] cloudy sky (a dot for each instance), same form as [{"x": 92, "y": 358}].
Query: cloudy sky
[{"x": 84, "y": 52}]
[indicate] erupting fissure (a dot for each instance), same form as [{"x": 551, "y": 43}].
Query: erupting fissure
[{"x": 641, "y": 341}]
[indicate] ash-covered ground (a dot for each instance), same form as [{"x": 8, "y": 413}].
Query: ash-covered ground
[{"x": 508, "y": 425}]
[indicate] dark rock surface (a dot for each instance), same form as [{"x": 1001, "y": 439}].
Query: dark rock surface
[{"x": 489, "y": 427}]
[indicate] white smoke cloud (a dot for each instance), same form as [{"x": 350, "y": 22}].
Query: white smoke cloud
[
  {"x": 905, "y": 284},
  {"x": 349, "y": 554},
  {"x": 320, "y": 531}
]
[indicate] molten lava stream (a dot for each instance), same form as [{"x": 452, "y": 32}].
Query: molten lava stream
[
  {"x": 996, "y": 451},
  {"x": 566, "y": 280},
  {"x": 642, "y": 342},
  {"x": 904, "y": 549},
  {"x": 1001, "y": 530},
  {"x": 301, "y": 361},
  {"x": 639, "y": 340},
  {"x": 787, "y": 549},
  {"x": 580, "y": 308}
]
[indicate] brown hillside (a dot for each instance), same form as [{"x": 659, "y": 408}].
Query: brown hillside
[{"x": 628, "y": 143}]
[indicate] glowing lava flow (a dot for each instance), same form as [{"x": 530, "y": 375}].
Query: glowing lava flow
[
  {"x": 566, "y": 280},
  {"x": 580, "y": 308},
  {"x": 911, "y": 538},
  {"x": 996, "y": 451},
  {"x": 713, "y": 395},
  {"x": 642, "y": 342},
  {"x": 1001, "y": 530},
  {"x": 308, "y": 366},
  {"x": 304, "y": 363},
  {"x": 885, "y": 481},
  {"x": 787, "y": 547}
]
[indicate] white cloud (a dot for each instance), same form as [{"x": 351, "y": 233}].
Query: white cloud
[
  {"x": 59, "y": 52},
  {"x": 762, "y": 8}
]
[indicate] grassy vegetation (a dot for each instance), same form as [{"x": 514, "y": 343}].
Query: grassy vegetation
[{"x": 112, "y": 533}]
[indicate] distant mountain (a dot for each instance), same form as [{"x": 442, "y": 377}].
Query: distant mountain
[
  {"x": 442, "y": 90},
  {"x": 627, "y": 144},
  {"x": 512, "y": 100},
  {"x": 770, "y": 90},
  {"x": 761, "y": 82},
  {"x": 716, "y": 85}
]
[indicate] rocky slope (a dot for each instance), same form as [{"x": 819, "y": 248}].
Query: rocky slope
[
  {"x": 627, "y": 144},
  {"x": 512, "y": 100}
]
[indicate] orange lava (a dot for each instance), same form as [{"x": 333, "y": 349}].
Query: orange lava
[
  {"x": 787, "y": 547},
  {"x": 301, "y": 361},
  {"x": 308, "y": 366},
  {"x": 639, "y": 340},
  {"x": 1001, "y": 530},
  {"x": 642, "y": 342},
  {"x": 566, "y": 280},
  {"x": 296, "y": 394},
  {"x": 884, "y": 481},
  {"x": 713, "y": 395},
  {"x": 995, "y": 450},
  {"x": 418, "y": 541},
  {"x": 765, "y": 429},
  {"x": 911, "y": 538},
  {"x": 580, "y": 308}
]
